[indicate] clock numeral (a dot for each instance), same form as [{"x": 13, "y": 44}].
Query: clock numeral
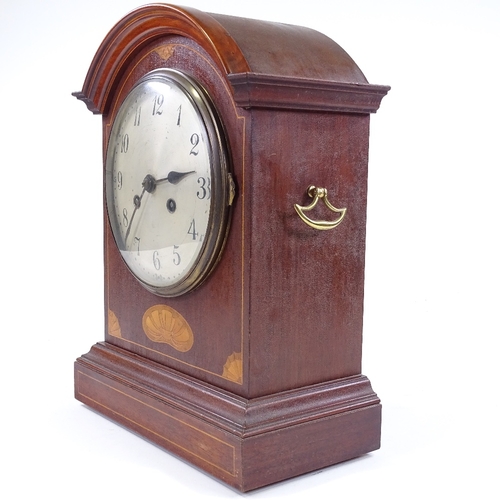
[
  {"x": 177, "y": 256},
  {"x": 158, "y": 104},
  {"x": 156, "y": 260},
  {"x": 119, "y": 180},
  {"x": 179, "y": 109},
  {"x": 192, "y": 230},
  {"x": 195, "y": 139},
  {"x": 137, "y": 118},
  {"x": 204, "y": 192},
  {"x": 124, "y": 144},
  {"x": 125, "y": 217},
  {"x": 138, "y": 240}
]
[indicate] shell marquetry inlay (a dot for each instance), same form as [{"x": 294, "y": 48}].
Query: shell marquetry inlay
[{"x": 164, "y": 324}]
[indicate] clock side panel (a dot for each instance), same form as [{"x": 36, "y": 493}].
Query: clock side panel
[
  {"x": 306, "y": 285},
  {"x": 201, "y": 333}
]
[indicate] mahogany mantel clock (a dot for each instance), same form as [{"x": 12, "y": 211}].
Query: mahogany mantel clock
[{"x": 235, "y": 171}]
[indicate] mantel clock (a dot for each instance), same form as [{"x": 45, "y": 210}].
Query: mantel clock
[{"x": 235, "y": 173}]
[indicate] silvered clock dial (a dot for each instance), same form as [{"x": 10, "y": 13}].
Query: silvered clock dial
[{"x": 168, "y": 186}]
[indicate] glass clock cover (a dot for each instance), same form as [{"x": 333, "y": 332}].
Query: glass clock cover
[{"x": 168, "y": 188}]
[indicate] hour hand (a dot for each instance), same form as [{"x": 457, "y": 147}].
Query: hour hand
[{"x": 175, "y": 177}]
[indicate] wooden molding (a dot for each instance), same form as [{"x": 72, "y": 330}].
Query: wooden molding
[
  {"x": 267, "y": 91},
  {"x": 220, "y": 432}
]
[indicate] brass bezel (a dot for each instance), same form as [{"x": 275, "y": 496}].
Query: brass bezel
[{"x": 222, "y": 183}]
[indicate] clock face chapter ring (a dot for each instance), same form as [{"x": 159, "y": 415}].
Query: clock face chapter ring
[{"x": 168, "y": 185}]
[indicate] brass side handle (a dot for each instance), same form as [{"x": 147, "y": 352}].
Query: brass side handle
[{"x": 319, "y": 193}]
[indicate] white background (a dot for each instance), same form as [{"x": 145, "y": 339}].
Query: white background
[{"x": 432, "y": 276}]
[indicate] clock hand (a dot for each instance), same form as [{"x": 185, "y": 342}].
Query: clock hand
[
  {"x": 175, "y": 177},
  {"x": 137, "y": 204},
  {"x": 149, "y": 183}
]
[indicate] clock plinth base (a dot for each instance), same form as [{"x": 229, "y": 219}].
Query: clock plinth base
[{"x": 245, "y": 443}]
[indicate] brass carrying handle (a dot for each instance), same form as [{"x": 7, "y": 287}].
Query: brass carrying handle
[{"x": 322, "y": 225}]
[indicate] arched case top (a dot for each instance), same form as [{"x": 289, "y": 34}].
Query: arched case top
[{"x": 253, "y": 54}]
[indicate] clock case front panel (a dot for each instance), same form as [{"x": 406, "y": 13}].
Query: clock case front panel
[{"x": 271, "y": 365}]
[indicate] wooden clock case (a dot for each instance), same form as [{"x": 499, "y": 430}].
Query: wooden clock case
[{"x": 255, "y": 376}]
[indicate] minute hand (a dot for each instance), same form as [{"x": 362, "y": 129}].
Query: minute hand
[
  {"x": 175, "y": 177},
  {"x": 137, "y": 204}
]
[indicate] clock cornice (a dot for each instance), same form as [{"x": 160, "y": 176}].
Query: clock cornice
[{"x": 238, "y": 47}]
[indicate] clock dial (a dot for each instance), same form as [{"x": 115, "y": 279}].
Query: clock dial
[{"x": 167, "y": 183}]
